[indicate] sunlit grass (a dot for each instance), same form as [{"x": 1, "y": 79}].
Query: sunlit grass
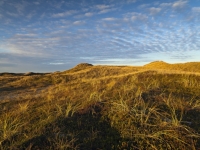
[{"x": 102, "y": 107}]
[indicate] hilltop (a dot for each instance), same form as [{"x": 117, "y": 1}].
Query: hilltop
[
  {"x": 189, "y": 67},
  {"x": 156, "y": 106},
  {"x": 79, "y": 67}
]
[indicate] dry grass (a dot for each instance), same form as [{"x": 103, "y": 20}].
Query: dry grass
[
  {"x": 186, "y": 67},
  {"x": 102, "y": 107}
]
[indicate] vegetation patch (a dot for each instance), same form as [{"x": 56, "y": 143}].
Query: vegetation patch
[{"x": 101, "y": 107}]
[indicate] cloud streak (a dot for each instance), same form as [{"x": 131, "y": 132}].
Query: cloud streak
[
  {"x": 179, "y": 4},
  {"x": 196, "y": 9},
  {"x": 64, "y": 14},
  {"x": 154, "y": 10}
]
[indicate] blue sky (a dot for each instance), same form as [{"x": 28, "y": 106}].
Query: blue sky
[{"x": 51, "y": 35}]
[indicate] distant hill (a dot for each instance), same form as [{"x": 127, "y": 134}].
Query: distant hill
[
  {"x": 79, "y": 67},
  {"x": 190, "y": 66}
]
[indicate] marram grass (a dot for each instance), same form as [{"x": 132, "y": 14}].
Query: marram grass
[{"x": 102, "y": 107}]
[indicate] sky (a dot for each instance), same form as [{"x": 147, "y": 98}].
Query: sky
[{"x": 56, "y": 35}]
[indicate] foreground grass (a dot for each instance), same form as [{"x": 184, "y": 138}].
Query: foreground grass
[{"x": 100, "y": 107}]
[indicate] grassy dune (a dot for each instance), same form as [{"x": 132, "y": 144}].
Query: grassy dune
[
  {"x": 156, "y": 106},
  {"x": 187, "y": 67}
]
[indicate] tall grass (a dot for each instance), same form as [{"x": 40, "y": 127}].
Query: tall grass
[{"x": 100, "y": 107}]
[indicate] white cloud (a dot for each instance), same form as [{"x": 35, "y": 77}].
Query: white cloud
[
  {"x": 29, "y": 45},
  {"x": 78, "y": 22},
  {"x": 138, "y": 16},
  {"x": 133, "y": 18},
  {"x": 89, "y": 14},
  {"x": 165, "y": 4},
  {"x": 109, "y": 19},
  {"x": 154, "y": 10},
  {"x": 102, "y": 7},
  {"x": 12, "y": 14},
  {"x": 196, "y": 9},
  {"x": 20, "y": 7},
  {"x": 28, "y": 35},
  {"x": 143, "y": 6},
  {"x": 179, "y": 4},
  {"x": 106, "y": 10},
  {"x": 64, "y": 14}
]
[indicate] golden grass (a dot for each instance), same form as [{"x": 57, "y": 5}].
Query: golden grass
[
  {"x": 105, "y": 107},
  {"x": 187, "y": 67}
]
